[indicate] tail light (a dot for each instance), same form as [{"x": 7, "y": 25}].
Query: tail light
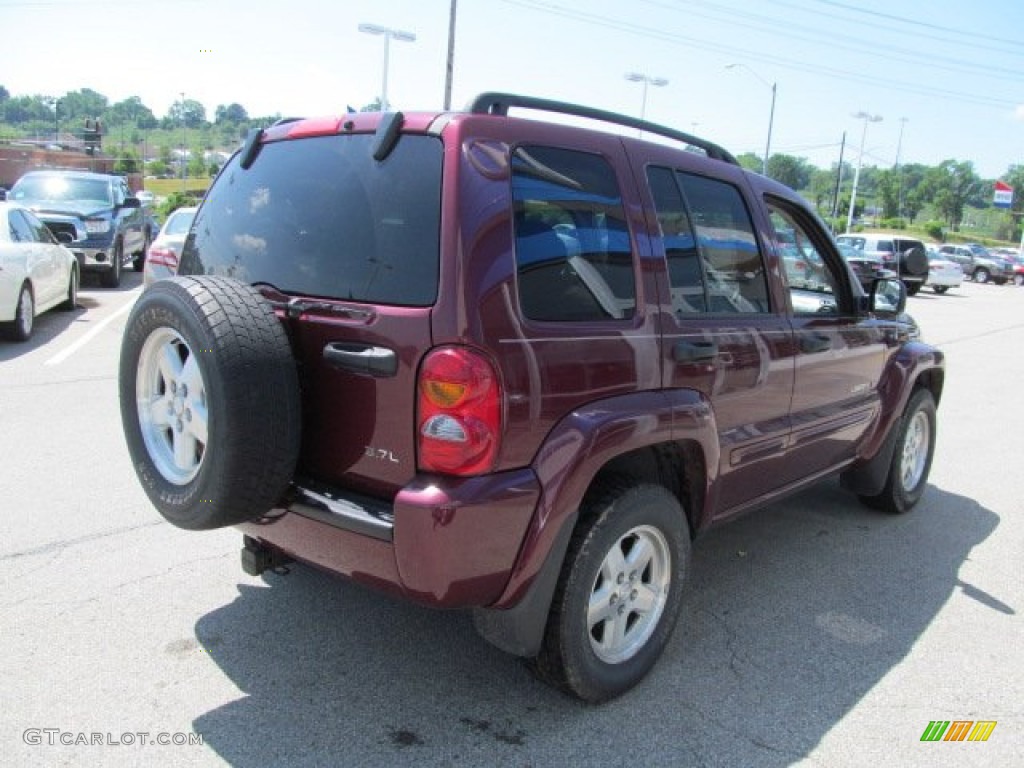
[
  {"x": 459, "y": 412},
  {"x": 163, "y": 257}
]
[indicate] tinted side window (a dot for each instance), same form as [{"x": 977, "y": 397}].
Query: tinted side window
[
  {"x": 684, "y": 269},
  {"x": 710, "y": 242},
  {"x": 320, "y": 217},
  {"x": 21, "y": 232},
  {"x": 573, "y": 255}
]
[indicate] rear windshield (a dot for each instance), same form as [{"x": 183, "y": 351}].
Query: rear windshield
[{"x": 321, "y": 217}]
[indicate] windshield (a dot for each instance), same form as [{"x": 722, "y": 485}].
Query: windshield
[{"x": 61, "y": 188}]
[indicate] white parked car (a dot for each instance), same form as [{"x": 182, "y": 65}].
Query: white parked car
[
  {"x": 943, "y": 273},
  {"x": 164, "y": 252},
  {"x": 36, "y": 272}
]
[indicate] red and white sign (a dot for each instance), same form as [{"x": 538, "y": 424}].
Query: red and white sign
[{"x": 1003, "y": 197}]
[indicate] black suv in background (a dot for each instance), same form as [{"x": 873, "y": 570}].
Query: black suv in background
[{"x": 905, "y": 255}]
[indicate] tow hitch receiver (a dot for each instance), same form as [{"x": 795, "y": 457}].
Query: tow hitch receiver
[{"x": 257, "y": 558}]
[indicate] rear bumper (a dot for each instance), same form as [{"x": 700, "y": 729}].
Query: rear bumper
[{"x": 444, "y": 543}]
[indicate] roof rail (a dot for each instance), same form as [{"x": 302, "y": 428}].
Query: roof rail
[{"x": 494, "y": 103}]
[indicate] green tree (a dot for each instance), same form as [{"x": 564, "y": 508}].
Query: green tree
[
  {"x": 133, "y": 111},
  {"x": 950, "y": 184},
  {"x": 750, "y": 161},
  {"x": 794, "y": 172},
  {"x": 189, "y": 110},
  {"x": 83, "y": 104},
  {"x": 231, "y": 113},
  {"x": 127, "y": 162},
  {"x": 822, "y": 187}
]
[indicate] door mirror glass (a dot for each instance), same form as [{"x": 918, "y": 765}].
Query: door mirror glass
[{"x": 888, "y": 296}]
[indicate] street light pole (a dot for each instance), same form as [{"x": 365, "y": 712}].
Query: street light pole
[
  {"x": 771, "y": 113},
  {"x": 867, "y": 118},
  {"x": 899, "y": 171},
  {"x": 639, "y": 77},
  {"x": 184, "y": 143},
  {"x": 389, "y": 34}
]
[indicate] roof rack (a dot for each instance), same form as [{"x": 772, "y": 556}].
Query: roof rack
[{"x": 494, "y": 103}]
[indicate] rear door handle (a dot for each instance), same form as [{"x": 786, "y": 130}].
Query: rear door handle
[
  {"x": 694, "y": 351},
  {"x": 366, "y": 359},
  {"x": 815, "y": 343}
]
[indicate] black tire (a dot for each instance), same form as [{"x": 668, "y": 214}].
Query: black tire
[
  {"x": 1018, "y": 279},
  {"x": 139, "y": 262},
  {"x": 940, "y": 289},
  {"x": 20, "y": 329},
  {"x": 112, "y": 277},
  {"x": 225, "y": 448},
  {"x": 999, "y": 280},
  {"x": 912, "y": 458},
  {"x": 981, "y": 275},
  {"x": 913, "y": 288},
  {"x": 915, "y": 261},
  {"x": 578, "y": 658},
  {"x": 71, "y": 302}
]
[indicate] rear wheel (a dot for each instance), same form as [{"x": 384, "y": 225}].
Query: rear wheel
[
  {"x": 912, "y": 288},
  {"x": 1018, "y": 279},
  {"x": 940, "y": 288},
  {"x": 71, "y": 302},
  {"x": 619, "y": 594},
  {"x": 912, "y": 458}
]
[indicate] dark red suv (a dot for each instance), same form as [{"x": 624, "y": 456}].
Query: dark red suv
[{"x": 488, "y": 362}]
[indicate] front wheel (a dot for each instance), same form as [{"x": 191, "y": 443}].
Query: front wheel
[
  {"x": 981, "y": 275},
  {"x": 112, "y": 277},
  {"x": 912, "y": 458},
  {"x": 24, "y": 316},
  {"x": 619, "y": 594}
]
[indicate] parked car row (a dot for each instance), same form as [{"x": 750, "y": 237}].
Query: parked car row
[{"x": 59, "y": 224}]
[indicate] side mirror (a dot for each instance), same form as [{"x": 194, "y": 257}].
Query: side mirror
[{"x": 888, "y": 296}]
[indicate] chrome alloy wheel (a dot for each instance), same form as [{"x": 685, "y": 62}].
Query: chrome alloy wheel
[
  {"x": 171, "y": 405},
  {"x": 916, "y": 444},
  {"x": 629, "y": 594}
]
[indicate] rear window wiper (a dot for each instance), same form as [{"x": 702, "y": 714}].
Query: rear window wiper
[{"x": 295, "y": 306}]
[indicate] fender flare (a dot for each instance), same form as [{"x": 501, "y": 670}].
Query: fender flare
[
  {"x": 915, "y": 365},
  {"x": 566, "y": 464}
]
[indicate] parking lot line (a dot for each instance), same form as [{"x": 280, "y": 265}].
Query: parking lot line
[{"x": 64, "y": 354}]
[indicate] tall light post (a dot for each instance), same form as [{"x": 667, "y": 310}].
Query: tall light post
[
  {"x": 867, "y": 118},
  {"x": 771, "y": 113},
  {"x": 639, "y": 77},
  {"x": 184, "y": 143},
  {"x": 389, "y": 35},
  {"x": 899, "y": 171}
]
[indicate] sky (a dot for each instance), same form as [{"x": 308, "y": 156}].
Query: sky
[{"x": 946, "y": 77}]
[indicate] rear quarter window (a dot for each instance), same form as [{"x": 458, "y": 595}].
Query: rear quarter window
[{"x": 320, "y": 217}]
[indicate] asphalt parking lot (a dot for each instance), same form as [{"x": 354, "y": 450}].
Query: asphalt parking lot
[{"x": 815, "y": 632}]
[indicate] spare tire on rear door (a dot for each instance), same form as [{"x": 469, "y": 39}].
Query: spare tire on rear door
[
  {"x": 915, "y": 261},
  {"x": 209, "y": 401}
]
